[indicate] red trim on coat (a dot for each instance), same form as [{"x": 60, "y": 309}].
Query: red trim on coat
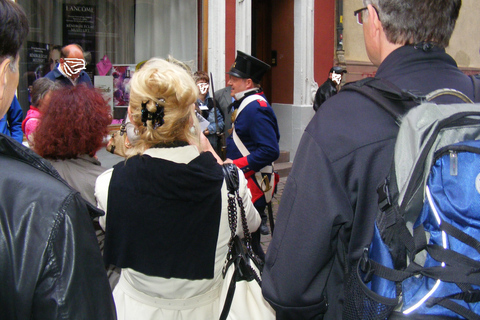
[{"x": 242, "y": 163}]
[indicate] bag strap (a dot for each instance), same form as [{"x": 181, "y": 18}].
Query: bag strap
[
  {"x": 229, "y": 298},
  {"x": 476, "y": 86},
  {"x": 384, "y": 93},
  {"x": 230, "y": 172},
  {"x": 231, "y": 177},
  {"x": 397, "y": 101}
]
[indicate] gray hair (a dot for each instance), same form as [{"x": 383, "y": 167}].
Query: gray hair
[
  {"x": 12, "y": 64},
  {"x": 40, "y": 88},
  {"x": 413, "y": 21}
]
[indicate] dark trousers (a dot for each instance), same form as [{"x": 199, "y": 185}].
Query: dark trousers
[{"x": 256, "y": 246}]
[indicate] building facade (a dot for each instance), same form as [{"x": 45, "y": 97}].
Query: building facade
[{"x": 301, "y": 39}]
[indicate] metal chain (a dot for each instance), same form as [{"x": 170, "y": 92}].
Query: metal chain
[
  {"x": 246, "y": 232},
  {"x": 232, "y": 222},
  {"x": 248, "y": 237},
  {"x": 234, "y": 198}
]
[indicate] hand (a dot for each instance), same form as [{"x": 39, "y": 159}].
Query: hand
[
  {"x": 228, "y": 160},
  {"x": 206, "y": 146},
  {"x": 206, "y": 132}
]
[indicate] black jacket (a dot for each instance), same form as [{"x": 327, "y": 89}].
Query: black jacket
[
  {"x": 325, "y": 91},
  {"x": 50, "y": 261},
  {"x": 326, "y": 216}
]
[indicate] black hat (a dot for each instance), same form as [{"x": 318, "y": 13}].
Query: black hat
[
  {"x": 248, "y": 67},
  {"x": 338, "y": 70}
]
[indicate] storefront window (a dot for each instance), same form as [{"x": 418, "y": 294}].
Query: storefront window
[{"x": 126, "y": 31}]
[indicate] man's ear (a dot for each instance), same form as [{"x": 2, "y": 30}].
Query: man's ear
[
  {"x": 374, "y": 18},
  {"x": 372, "y": 28},
  {"x": 249, "y": 83},
  {"x": 3, "y": 76}
]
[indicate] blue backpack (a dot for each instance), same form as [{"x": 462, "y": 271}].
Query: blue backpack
[{"x": 424, "y": 258}]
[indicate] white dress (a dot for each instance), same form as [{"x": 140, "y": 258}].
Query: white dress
[{"x": 138, "y": 296}]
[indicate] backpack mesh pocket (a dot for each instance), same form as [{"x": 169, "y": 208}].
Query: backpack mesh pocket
[{"x": 362, "y": 303}]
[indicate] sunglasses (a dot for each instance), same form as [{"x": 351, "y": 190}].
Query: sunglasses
[{"x": 359, "y": 14}]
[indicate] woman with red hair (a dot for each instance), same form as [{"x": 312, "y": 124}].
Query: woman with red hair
[{"x": 70, "y": 133}]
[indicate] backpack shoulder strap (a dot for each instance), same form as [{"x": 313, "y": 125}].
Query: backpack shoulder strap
[
  {"x": 476, "y": 87},
  {"x": 387, "y": 95}
]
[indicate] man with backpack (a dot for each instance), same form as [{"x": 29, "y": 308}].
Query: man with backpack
[{"x": 328, "y": 209}]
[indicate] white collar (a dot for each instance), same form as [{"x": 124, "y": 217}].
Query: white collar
[
  {"x": 183, "y": 154},
  {"x": 240, "y": 95}
]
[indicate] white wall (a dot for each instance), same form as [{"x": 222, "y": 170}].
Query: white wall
[{"x": 292, "y": 121}]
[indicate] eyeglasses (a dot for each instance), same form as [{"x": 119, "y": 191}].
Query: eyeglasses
[{"x": 359, "y": 14}]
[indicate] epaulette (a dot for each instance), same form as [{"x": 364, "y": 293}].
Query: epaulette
[{"x": 262, "y": 103}]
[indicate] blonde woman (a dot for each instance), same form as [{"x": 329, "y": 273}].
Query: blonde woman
[{"x": 166, "y": 216}]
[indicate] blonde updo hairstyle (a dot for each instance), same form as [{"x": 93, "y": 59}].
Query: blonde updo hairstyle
[{"x": 166, "y": 84}]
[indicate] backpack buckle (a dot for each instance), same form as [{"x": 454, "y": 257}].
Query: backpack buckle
[
  {"x": 384, "y": 197},
  {"x": 366, "y": 266},
  {"x": 472, "y": 296}
]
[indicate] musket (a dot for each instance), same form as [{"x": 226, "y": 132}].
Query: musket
[
  {"x": 220, "y": 135},
  {"x": 214, "y": 104}
]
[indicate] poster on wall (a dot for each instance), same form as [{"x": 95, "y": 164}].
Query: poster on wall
[
  {"x": 79, "y": 27},
  {"x": 121, "y": 88},
  {"x": 105, "y": 85},
  {"x": 37, "y": 61}
]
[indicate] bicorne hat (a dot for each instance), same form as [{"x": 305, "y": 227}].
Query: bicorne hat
[{"x": 248, "y": 67}]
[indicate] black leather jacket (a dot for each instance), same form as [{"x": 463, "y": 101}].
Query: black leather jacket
[
  {"x": 50, "y": 261},
  {"x": 325, "y": 91}
]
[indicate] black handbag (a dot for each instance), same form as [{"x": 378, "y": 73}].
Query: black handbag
[
  {"x": 243, "y": 269},
  {"x": 119, "y": 143}
]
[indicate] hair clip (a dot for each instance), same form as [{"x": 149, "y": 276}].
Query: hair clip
[
  {"x": 144, "y": 113},
  {"x": 156, "y": 117}
]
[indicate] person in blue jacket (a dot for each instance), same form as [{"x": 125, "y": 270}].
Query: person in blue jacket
[
  {"x": 11, "y": 123},
  {"x": 71, "y": 69},
  {"x": 253, "y": 144},
  {"x": 208, "y": 110}
]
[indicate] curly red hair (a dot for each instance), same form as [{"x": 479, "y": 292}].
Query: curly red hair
[{"x": 74, "y": 123}]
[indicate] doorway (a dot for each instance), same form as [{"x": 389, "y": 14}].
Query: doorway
[{"x": 272, "y": 42}]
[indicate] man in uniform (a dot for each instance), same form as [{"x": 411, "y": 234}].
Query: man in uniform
[
  {"x": 326, "y": 217},
  {"x": 253, "y": 144}
]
